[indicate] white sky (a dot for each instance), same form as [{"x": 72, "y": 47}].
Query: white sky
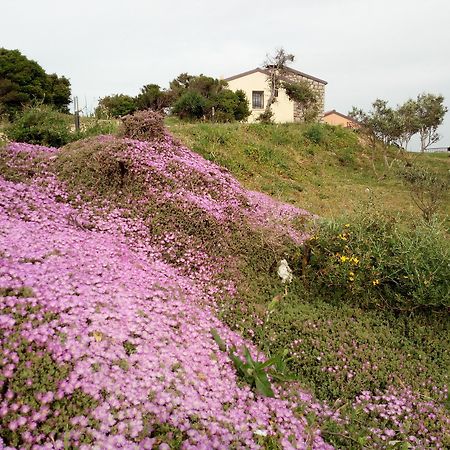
[{"x": 389, "y": 49}]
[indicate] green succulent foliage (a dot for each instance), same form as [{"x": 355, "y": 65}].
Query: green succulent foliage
[{"x": 255, "y": 373}]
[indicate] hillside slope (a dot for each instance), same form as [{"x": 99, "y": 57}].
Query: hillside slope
[
  {"x": 106, "y": 318},
  {"x": 119, "y": 257},
  {"x": 326, "y": 170}
]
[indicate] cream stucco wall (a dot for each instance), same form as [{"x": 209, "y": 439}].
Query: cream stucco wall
[
  {"x": 283, "y": 108},
  {"x": 336, "y": 119}
]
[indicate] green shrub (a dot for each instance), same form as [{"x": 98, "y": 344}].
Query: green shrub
[
  {"x": 229, "y": 106},
  {"x": 115, "y": 106},
  {"x": 373, "y": 261},
  {"x": 265, "y": 117},
  {"x": 40, "y": 125},
  {"x": 98, "y": 127},
  {"x": 305, "y": 97},
  {"x": 428, "y": 189},
  {"x": 191, "y": 105},
  {"x": 315, "y": 133},
  {"x": 241, "y": 110},
  {"x": 144, "y": 125}
]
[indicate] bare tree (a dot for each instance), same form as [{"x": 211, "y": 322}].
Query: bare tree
[{"x": 276, "y": 66}]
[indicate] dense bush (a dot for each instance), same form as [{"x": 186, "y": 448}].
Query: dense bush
[
  {"x": 152, "y": 97},
  {"x": 40, "y": 125},
  {"x": 191, "y": 105},
  {"x": 23, "y": 81},
  {"x": 202, "y": 97},
  {"x": 145, "y": 125},
  {"x": 315, "y": 133},
  {"x": 230, "y": 106},
  {"x": 373, "y": 261},
  {"x": 115, "y": 106},
  {"x": 242, "y": 108}
]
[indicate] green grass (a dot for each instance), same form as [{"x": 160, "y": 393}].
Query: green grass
[{"x": 326, "y": 170}]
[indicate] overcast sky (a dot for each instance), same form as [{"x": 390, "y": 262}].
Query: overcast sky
[{"x": 389, "y": 49}]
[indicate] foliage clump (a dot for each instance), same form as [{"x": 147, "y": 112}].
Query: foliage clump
[
  {"x": 428, "y": 190},
  {"x": 304, "y": 96},
  {"x": 24, "y": 82},
  {"x": 397, "y": 126},
  {"x": 202, "y": 97},
  {"x": 115, "y": 106},
  {"x": 191, "y": 105},
  {"x": 144, "y": 125},
  {"x": 41, "y": 125},
  {"x": 374, "y": 261}
]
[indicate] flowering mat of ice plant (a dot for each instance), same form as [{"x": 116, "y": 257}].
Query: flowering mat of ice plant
[{"x": 106, "y": 345}]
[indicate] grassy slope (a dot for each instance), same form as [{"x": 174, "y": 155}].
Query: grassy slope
[{"x": 326, "y": 173}]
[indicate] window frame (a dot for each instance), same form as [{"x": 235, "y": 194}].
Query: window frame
[{"x": 258, "y": 104}]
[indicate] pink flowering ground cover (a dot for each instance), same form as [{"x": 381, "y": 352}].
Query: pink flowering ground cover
[
  {"x": 115, "y": 258},
  {"x": 106, "y": 345}
]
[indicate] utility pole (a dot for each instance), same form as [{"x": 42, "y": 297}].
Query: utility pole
[{"x": 76, "y": 112}]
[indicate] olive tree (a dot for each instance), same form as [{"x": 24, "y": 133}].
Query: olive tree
[{"x": 430, "y": 112}]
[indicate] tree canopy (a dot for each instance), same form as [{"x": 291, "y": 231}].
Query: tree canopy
[
  {"x": 23, "y": 81},
  {"x": 190, "y": 97},
  {"x": 200, "y": 96},
  {"x": 117, "y": 105},
  {"x": 152, "y": 97},
  {"x": 396, "y": 126}
]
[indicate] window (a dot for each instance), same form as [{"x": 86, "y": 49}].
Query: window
[{"x": 258, "y": 99}]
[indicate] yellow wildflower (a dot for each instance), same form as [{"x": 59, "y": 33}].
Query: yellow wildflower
[
  {"x": 98, "y": 335},
  {"x": 354, "y": 260},
  {"x": 346, "y": 225},
  {"x": 376, "y": 282},
  {"x": 343, "y": 258}
]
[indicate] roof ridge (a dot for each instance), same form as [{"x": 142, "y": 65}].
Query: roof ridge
[{"x": 265, "y": 71}]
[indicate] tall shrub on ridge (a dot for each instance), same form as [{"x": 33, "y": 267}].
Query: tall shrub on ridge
[{"x": 40, "y": 125}]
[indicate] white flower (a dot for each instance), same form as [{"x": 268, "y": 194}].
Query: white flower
[
  {"x": 261, "y": 432},
  {"x": 284, "y": 272}
]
